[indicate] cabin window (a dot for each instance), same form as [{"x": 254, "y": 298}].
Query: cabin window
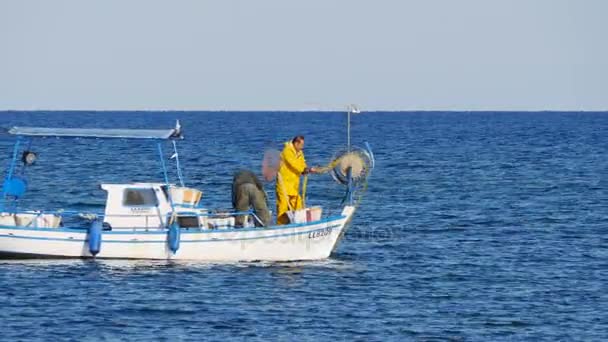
[
  {"x": 139, "y": 198},
  {"x": 188, "y": 221}
]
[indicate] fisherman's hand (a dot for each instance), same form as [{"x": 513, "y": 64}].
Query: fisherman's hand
[{"x": 312, "y": 170}]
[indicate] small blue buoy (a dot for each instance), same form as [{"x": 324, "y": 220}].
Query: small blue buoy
[
  {"x": 95, "y": 237},
  {"x": 174, "y": 237}
]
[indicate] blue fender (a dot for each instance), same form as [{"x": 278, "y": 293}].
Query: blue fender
[
  {"x": 174, "y": 237},
  {"x": 95, "y": 237},
  {"x": 14, "y": 186}
]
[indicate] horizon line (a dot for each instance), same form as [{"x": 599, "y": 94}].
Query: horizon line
[{"x": 319, "y": 110}]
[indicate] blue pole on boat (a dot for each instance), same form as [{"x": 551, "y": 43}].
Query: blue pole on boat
[
  {"x": 351, "y": 185},
  {"x": 165, "y": 174},
  {"x": 11, "y": 170},
  {"x": 173, "y": 235},
  {"x": 162, "y": 162},
  {"x": 179, "y": 169}
]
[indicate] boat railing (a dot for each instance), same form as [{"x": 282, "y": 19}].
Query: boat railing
[{"x": 151, "y": 220}]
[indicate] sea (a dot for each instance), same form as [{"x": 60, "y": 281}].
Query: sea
[{"x": 474, "y": 226}]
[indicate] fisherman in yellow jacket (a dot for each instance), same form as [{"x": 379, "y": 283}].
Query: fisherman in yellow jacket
[{"x": 292, "y": 166}]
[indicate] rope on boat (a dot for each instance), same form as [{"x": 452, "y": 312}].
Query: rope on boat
[{"x": 304, "y": 184}]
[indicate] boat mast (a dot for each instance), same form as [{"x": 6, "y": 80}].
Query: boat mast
[
  {"x": 348, "y": 130},
  {"x": 354, "y": 110}
]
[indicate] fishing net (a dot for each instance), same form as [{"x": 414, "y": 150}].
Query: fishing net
[
  {"x": 358, "y": 160},
  {"x": 270, "y": 164}
]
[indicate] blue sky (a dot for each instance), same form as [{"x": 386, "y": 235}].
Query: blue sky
[{"x": 299, "y": 55}]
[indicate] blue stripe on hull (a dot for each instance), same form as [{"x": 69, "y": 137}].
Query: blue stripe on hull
[
  {"x": 183, "y": 231},
  {"x": 164, "y": 241}
]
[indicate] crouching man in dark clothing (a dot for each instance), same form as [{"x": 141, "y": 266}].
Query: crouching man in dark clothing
[{"x": 248, "y": 192}]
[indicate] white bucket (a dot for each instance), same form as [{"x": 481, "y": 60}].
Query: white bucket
[
  {"x": 185, "y": 196},
  {"x": 305, "y": 215}
]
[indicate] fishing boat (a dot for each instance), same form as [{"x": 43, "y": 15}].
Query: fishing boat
[{"x": 164, "y": 219}]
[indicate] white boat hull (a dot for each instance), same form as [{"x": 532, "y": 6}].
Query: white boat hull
[{"x": 308, "y": 241}]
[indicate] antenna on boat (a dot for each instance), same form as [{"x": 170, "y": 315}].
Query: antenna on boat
[{"x": 177, "y": 131}]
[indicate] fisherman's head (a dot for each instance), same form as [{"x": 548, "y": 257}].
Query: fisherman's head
[{"x": 298, "y": 143}]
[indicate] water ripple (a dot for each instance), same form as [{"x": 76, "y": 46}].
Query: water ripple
[{"x": 476, "y": 226}]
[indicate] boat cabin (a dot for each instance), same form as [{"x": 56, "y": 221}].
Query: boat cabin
[{"x": 149, "y": 205}]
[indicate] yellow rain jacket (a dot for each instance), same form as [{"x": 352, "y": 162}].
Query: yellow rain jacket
[{"x": 288, "y": 182}]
